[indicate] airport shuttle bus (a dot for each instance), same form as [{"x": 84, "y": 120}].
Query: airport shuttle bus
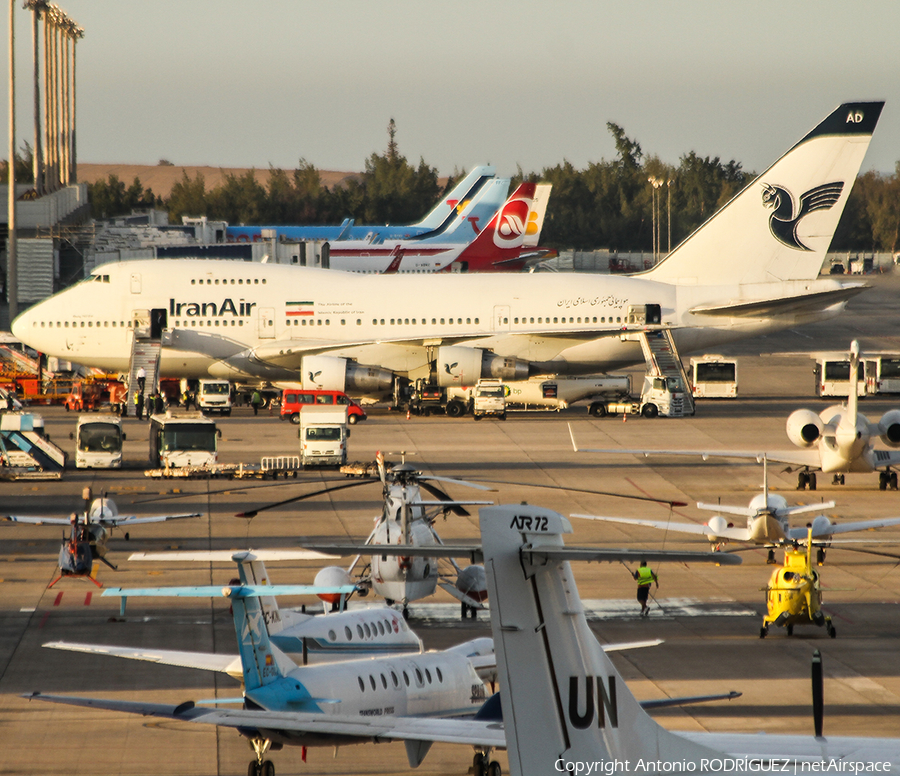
[
  {"x": 833, "y": 377},
  {"x": 98, "y": 442},
  {"x": 883, "y": 374},
  {"x": 714, "y": 377},
  {"x": 182, "y": 439}
]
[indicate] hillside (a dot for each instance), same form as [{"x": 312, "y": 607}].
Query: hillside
[{"x": 162, "y": 178}]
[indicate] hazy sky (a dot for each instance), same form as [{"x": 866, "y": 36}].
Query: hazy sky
[{"x": 527, "y": 83}]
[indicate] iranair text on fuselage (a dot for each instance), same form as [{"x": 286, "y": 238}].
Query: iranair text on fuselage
[{"x": 239, "y": 309}]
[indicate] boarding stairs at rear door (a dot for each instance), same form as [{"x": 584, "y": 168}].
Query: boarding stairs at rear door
[{"x": 663, "y": 359}]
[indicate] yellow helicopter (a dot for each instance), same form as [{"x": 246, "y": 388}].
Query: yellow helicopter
[{"x": 794, "y": 594}]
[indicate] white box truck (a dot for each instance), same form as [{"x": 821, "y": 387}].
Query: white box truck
[
  {"x": 323, "y": 436},
  {"x": 214, "y": 396}
]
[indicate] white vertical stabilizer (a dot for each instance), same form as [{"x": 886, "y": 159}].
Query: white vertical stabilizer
[
  {"x": 563, "y": 700},
  {"x": 781, "y": 225}
]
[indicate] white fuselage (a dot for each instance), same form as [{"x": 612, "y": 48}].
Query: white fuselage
[{"x": 217, "y": 310}]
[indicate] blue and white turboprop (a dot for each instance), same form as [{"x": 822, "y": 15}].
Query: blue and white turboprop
[
  {"x": 437, "y": 220},
  {"x": 89, "y": 533},
  {"x": 326, "y": 704}
]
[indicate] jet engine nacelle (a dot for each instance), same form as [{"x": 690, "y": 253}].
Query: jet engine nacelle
[
  {"x": 804, "y": 428},
  {"x": 332, "y": 576},
  {"x": 472, "y": 581},
  {"x": 328, "y": 373},
  {"x": 458, "y": 365},
  {"x": 890, "y": 425}
]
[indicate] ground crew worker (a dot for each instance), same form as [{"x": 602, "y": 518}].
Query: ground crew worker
[
  {"x": 644, "y": 577},
  {"x": 256, "y": 402},
  {"x": 139, "y": 405}
]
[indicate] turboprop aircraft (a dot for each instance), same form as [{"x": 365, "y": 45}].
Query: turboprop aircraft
[
  {"x": 838, "y": 440},
  {"x": 438, "y": 219},
  {"x": 89, "y": 534},
  {"x": 768, "y": 521},
  {"x": 378, "y": 699},
  {"x": 305, "y": 638},
  {"x": 742, "y": 273}
]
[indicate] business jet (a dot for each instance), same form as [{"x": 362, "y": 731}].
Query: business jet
[
  {"x": 438, "y": 219},
  {"x": 745, "y": 272},
  {"x": 838, "y": 440}
]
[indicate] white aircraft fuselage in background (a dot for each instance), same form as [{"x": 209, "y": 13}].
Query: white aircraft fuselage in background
[
  {"x": 752, "y": 268},
  {"x": 220, "y": 309}
]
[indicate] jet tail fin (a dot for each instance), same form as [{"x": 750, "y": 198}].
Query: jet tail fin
[
  {"x": 446, "y": 207},
  {"x": 499, "y": 244},
  {"x": 781, "y": 225},
  {"x": 545, "y": 649}
]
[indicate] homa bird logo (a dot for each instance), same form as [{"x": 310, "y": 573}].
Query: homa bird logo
[
  {"x": 511, "y": 223},
  {"x": 783, "y": 222}
]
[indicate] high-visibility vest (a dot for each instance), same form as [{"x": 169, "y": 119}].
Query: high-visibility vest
[{"x": 645, "y": 576}]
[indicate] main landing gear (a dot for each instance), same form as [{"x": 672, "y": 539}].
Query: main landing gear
[
  {"x": 887, "y": 478},
  {"x": 482, "y": 765},
  {"x": 806, "y": 479},
  {"x": 259, "y": 766}
]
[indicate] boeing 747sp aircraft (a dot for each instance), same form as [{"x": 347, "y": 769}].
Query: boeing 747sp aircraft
[{"x": 752, "y": 268}]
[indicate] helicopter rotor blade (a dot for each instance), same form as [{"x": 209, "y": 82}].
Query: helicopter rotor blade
[
  {"x": 667, "y": 502},
  {"x": 441, "y": 495},
  {"x": 253, "y": 512}
]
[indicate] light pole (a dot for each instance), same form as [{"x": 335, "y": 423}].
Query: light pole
[
  {"x": 669, "y": 183},
  {"x": 12, "y": 277},
  {"x": 656, "y": 183}
]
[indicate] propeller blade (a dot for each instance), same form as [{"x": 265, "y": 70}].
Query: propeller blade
[{"x": 818, "y": 698}]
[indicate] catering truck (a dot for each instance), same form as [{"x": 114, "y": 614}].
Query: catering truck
[{"x": 323, "y": 434}]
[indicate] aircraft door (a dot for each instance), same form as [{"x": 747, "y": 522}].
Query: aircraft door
[
  {"x": 267, "y": 323},
  {"x": 501, "y": 317},
  {"x": 158, "y": 321},
  {"x": 135, "y": 282}
]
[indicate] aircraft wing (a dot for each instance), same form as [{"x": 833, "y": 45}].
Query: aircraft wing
[
  {"x": 227, "y": 556},
  {"x": 118, "y": 520},
  {"x": 204, "y": 661},
  {"x": 766, "y": 307},
  {"x": 736, "y": 534},
  {"x": 468, "y": 732},
  {"x": 38, "y": 520},
  {"x": 839, "y": 528},
  {"x": 225, "y": 591}
]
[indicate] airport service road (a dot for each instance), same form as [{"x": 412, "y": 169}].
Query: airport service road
[{"x": 708, "y": 616}]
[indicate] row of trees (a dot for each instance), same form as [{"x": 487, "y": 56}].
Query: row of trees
[{"x": 608, "y": 204}]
